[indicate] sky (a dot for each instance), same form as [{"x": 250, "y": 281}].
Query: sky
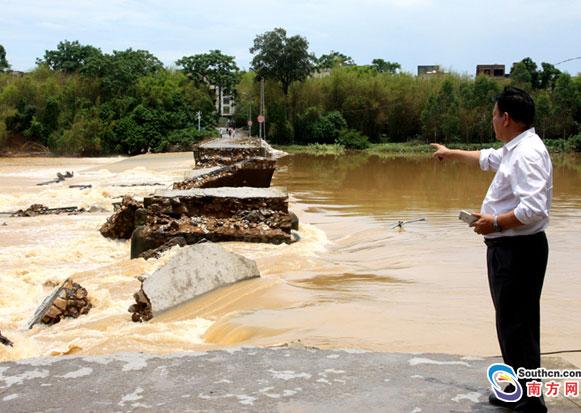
[{"x": 455, "y": 34}]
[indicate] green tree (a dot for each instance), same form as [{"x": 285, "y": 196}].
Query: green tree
[
  {"x": 332, "y": 59},
  {"x": 565, "y": 105},
  {"x": 548, "y": 76},
  {"x": 3, "y": 62},
  {"x": 440, "y": 115},
  {"x": 69, "y": 56},
  {"x": 382, "y": 66},
  {"x": 212, "y": 68},
  {"x": 544, "y": 113},
  {"x": 284, "y": 59},
  {"x": 120, "y": 71},
  {"x": 521, "y": 76}
]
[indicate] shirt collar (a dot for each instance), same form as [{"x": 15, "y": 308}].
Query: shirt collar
[{"x": 518, "y": 139}]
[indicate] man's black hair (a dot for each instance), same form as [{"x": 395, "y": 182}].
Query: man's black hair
[{"x": 518, "y": 104}]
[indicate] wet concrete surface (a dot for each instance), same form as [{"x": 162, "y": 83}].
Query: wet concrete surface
[{"x": 255, "y": 380}]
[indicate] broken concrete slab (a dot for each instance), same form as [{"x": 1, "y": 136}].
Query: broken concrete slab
[
  {"x": 195, "y": 270},
  {"x": 255, "y": 172},
  {"x": 69, "y": 299},
  {"x": 245, "y": 226},
  {"x": 227, "y": 152},
  {"x": 231, "y": 150},
  {"x": 218, "y": 202},
  {"x": 257, "y": 380},
  {"x": 215, "y": 214}
]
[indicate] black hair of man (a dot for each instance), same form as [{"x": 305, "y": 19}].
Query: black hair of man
[{"x": 518, "y": 104}]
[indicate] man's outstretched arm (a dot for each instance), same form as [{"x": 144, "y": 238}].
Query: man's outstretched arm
[{"x": 469, "y": 157}]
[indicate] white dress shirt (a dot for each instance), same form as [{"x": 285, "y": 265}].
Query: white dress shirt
[{"x": 523, "y": 183}]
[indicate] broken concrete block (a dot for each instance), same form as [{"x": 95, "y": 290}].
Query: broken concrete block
[
  {"x": 195, "y": 270},
  {"x": 121, "y": 224},
  {"x": 67, "y": 300},
  {"x": 214, "y": 214}
]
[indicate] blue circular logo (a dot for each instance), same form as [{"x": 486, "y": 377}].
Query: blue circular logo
[{"x": 499, "y": 374}]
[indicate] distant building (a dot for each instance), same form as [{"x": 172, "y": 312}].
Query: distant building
[
  {"x": 228, "y": 104},
  {"x": 491, "y": 70},
  {"x": 321, "y": 73},
  {"x": 428, "y": 70}
]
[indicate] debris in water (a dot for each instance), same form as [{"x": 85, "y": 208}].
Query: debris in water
[
  {"x": 400, "y": 224},
  {"x": 68, "y": 300},
  {"x": 39, "y": 209},
  {"x": 6, "y": 341},
  {"x": 59, "y": 178}
]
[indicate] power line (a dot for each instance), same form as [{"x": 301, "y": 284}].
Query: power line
[{"x": 568, "y": 60}]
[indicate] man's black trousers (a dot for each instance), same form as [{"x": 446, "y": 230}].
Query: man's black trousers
[{"x": 516, "y": 271}]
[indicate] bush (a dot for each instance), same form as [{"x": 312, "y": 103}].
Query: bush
[
  {"x": 328, "y": 127},
  {"x": 574, "y": 143},
  {"x": 352, "y": 139}
]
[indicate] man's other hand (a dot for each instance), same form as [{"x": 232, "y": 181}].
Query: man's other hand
[
  {"x": 484, "y": 225},
  {"x": 441, "y": 151}
]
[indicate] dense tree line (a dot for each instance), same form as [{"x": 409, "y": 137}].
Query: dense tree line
[
  {"x": 384, "y": 105},
  {"x": 83, "y": 101},
  {"x": 79, "y": 100}
]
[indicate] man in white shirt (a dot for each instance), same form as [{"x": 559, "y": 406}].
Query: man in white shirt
[{"x": 514, "y": 214}]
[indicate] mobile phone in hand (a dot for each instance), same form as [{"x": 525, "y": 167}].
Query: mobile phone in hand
[{"x": 467, "y": 217}]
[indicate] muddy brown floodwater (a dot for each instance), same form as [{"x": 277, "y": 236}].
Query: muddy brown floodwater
[{"x": 351, "y": 282}]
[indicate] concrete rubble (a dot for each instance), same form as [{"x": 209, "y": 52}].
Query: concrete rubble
[
  {"x": 195, "y": 270},
  {"x": 68, "y": 300}
]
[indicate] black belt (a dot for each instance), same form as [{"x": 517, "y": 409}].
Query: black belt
[{"x": 517, "y": 239}]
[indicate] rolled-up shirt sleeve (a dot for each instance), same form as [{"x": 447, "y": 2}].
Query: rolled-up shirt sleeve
[
  {"x": 531, "y": 183},
  {"x": 490, "y": 159}
]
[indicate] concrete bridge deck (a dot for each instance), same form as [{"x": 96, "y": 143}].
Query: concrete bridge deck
[{"x": 255, "y": 380}]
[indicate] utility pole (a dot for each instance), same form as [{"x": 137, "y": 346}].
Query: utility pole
[
  {"x": 250, "y": 119},
  {"x": 262, "y": 125},
  {"x": 199, "y": 115}
]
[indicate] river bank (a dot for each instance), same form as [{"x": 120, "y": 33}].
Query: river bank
[{"x": 556, "y": 147}]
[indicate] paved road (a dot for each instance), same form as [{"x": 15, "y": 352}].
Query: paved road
[{"x": 253, "y": 380}]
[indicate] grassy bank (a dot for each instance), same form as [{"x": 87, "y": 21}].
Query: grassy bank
[
  {"x": 408, "y": 148},
  {"x": 570, "y": 145}
]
